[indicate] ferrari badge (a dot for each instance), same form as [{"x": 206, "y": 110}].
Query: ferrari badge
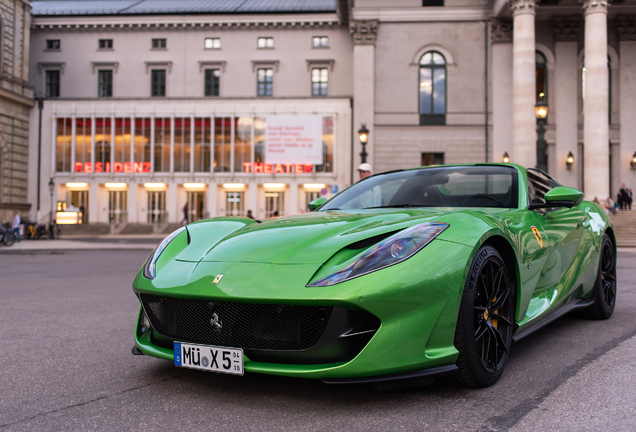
[
  {"x": 537, "y": 234},
  {"x": 217, "y": 279}
]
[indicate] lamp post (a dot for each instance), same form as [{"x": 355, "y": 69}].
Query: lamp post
[
  {"x": 633, "y": 162},
  {"x": 51, "y": 187},
  {"x": 569, "y": 161},
  {"x": 363, "y": 134},
  {"x": 541, "y": 110},
  {"x": 506, "y": 157}
]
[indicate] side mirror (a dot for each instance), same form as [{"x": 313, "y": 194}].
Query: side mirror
[
  {"x": 560, "y": 196},
  {"x": 317, "y": 203}
]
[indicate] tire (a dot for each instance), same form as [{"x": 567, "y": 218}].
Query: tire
[
  {"x": 485, "y": 323},
  {"x": 9, "y": 238},
  {"x": 604, "y": 291}
]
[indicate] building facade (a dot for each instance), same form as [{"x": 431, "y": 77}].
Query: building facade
[
  {"x": 148, "y": 108},
  {"x": 15, "y": 103},
  {"x": 149, "y": 118}
]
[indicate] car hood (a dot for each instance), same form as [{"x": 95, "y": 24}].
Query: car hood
[{"x": 300, "y": 239}]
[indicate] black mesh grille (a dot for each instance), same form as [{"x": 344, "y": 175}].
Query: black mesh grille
[
  {"x": 363, "y": 321},
  {"x": 244, "y": 325}
]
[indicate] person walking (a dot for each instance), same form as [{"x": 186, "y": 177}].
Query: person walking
[
  {"x": 15, "y": 226},
  {"x": 623, "y": 197},
  {"x": 185, "y": 214},
  {"x": 629, "y": 198}
]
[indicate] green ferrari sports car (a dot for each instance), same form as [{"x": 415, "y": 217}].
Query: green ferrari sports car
[{"x": 405, "y": 276}]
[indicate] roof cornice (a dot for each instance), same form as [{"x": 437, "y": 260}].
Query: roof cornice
[{"x": 180, "y": 22}]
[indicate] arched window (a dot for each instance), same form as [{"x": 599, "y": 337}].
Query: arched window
[
  {"x": 432, "y": 89},
  {"x": 541, "y": 77}
]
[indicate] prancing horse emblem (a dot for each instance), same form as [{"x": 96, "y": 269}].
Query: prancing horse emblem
[
  {"x": 218, "y": 278},
  {"x": 216, "y": 323}
]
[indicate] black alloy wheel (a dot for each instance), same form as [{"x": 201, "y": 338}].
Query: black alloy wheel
[
  {"x": 485, "y": 323},
  {"x": 604, "y": 292}
]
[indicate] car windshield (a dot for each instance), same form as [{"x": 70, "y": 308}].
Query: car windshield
[{"x": 467, "y": 186}]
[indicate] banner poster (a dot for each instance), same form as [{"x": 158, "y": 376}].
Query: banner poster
[{"x": 293, "y": 139}]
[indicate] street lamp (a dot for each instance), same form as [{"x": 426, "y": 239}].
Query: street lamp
[
  {"x": 506, "y": 158},
  {"x": 541, "y": 111},
  {"x": 633, "y": 162},
  {"x": 569, "y": 161},
  {"x": 363, "y": 134},
  {"x": 51, "y": 187}
]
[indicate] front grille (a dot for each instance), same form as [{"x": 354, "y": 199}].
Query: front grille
[{"x": 244, "y": 325}]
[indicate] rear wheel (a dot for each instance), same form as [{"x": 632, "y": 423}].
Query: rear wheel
[
  {"x": 604, "y": 292},
  {"x": 486, "y": 321}
]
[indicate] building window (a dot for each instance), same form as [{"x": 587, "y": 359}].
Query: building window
[
  {"x": 52, "y": 83},
  {"x": 319, "y": 81},
  {"x": 265, "y": 78},
  {"x": 320, "y": 42},
  {"x": 212, "y": 43},
  {"x": 432, "y": 159},
  {"x": 235, "y": 204},
  {"x": 541, "y": 73},
  {"x": 163, "y": 136},
  {"x": 265, "y": 42},
  {"x": 274, "y": 203},
  {"x": 432, "y": 2},
  {"x": 182, "y": 141},
  {"x": 202, "y": 144},
  {"x": 63, "y": 145},
  {"x": 212, "y": 78},
  {"x": 432, "y": 89},
  {"x": 105, "y": 44},
  {"x": 158, "y": 82},
  {"x": 159, "y": 44},
  {"x": 53, "y": 44},
  {"x": 105, "y": 83}
]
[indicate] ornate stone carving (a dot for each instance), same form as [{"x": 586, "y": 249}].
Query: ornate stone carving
[
  {"x": 566, "y": 29},
  {"x": 626, "y": 28},
  {"x": 594, "y": 6},
  {"x": 363, "y": 32},
  {"x": 500, "y": 31},
  {"x": 523, "y": 7}
]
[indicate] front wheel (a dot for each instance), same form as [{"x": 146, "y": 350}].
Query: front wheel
[
  {"x": 9, "y": 238},
  {"x": 485, "y": 323}
]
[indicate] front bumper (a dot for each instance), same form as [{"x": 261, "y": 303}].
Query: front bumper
[{"x": 417, "y": 310}]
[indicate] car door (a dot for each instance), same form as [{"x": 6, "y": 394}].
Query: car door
[{"x": 563, "y": 229}]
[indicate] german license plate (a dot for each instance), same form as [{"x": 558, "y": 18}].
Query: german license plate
[{"x": 209, "y": 358}]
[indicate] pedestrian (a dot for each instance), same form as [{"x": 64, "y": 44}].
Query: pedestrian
[
  {"x": 249, "y": 214},
  {"x": 365, "y": 170},
  {"x": 185, "y": 214},
  {"x": 629, "y": 198},
  {"x": 15, "y": 226},
  {"x": 611, "y": 207},
  {"x": 623, "y": 197},
  {"x": 81, "y": 209}
]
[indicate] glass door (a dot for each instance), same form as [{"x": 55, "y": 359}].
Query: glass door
[
  {"x": 309, "y": 197},
  {"x": 117, "y": 207},
  {"x": 195, "y": 206},
  {"x": 274, "y": 204},
  {"x": 80, "y": 200},
  {"x": 235, "y": 204},
  {"x": 156, "y": 207}
]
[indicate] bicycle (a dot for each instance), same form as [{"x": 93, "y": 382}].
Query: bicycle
[{"x": 7, "y": 237}]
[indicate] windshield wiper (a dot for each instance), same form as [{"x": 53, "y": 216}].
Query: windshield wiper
[{"x": 390, "y": 206}]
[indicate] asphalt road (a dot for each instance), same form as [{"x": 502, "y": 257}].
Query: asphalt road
[{"x": 66, "y": 326}]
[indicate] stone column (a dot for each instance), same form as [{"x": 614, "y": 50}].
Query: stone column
[
  {"x": 364, "y": 35},
  {"x": 501, "y": 85},
  {"x": 524, "y": 123},
  {"x": 596, "y": 109},
  {"x": 566, "y": 32},
  {"x": 626, "y": 29}
]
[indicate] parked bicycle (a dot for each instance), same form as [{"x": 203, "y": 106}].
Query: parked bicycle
[{"x": 6, "y": 237}]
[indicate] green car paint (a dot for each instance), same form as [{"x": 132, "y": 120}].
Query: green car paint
[{"x": 554, "y": 253}]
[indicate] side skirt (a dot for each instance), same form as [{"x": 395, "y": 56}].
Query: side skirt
[{"x": 569, "y": 307}]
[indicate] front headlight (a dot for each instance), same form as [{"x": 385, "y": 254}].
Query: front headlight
[
  {"x": 150, "y": 270},
  {"x": 390, "y": 251}
]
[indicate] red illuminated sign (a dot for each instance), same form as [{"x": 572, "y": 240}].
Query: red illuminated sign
[
  {"x": 260, "y": 167},
  {"x": 118, "y": 167}
]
